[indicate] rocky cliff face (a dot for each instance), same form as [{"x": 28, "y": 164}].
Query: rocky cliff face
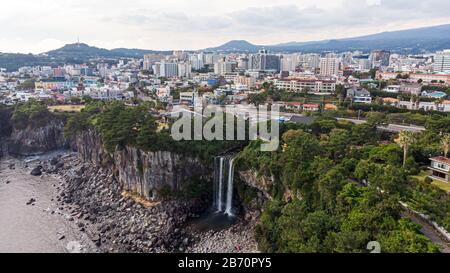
[
  {"x": 261, "y": 183},
  {"x": 253, "y": 191},
  {"x": 36, "y": 141},
  {"x": 144, "y": 173}
]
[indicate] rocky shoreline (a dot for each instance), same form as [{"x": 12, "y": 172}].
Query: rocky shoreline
[
  {"x": 236, "y": 239},
  {"x": 120, "y": 224},
  {"x": 91, "y": 199},
  {"x": 32, "y": 219},
  {"x": 117, "y": 223}
]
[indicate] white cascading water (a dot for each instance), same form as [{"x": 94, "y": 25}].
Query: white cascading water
[
  {"x": 220, "y": 186},
  {"x": 229, "y": 204}
]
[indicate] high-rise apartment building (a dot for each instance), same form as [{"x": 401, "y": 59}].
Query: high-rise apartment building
[
  {"x": 184, "y": 70},
  {"x": 380, "y": 58},
  {"x": 289, "y": 62},
  {"x": 168, "y": 69},
  {"x": 223, "y": 67},
  {"x": 329, "y": 66},
  {"x": 442, "y": 61},
  {"x": 264, "y": 61},
  {"x": 149, "y": 60}
]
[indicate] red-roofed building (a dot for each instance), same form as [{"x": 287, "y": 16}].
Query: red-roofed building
[
  {"x": 295, "y": 105},
  {"x": 311, "y": 107}
]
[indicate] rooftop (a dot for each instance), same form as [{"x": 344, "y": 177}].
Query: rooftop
[{"x": 441, "y": 159}]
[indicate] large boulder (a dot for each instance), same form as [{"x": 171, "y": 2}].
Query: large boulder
[{"x": 37, "y": 171}]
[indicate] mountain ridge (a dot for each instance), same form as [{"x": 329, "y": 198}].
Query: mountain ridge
[
  {"x": 413, "y": 40},
  {"x": 410, "y": 41}
]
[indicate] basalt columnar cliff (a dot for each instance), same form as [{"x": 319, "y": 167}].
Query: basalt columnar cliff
[
  {"x": 142, "y": 172},
  {"x": 37, "y": 140}
]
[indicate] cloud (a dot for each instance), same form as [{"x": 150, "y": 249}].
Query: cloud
[
  {"x": 177, "y": 24},
  {"x": 282, "y": 18}
]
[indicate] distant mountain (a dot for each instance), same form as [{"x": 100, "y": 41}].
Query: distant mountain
[
  {"x": 84, "y": 51},
  {"x": 78, "y": 51},
  {"x": 71, "y": 53},
  {"x": 403, "y": 41},
  {"x": 236, "y": 45}
]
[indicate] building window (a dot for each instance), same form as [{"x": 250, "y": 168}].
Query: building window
[{"x": 439, "y": 174}]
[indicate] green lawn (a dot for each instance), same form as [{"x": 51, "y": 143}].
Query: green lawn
[
  {"x": 440, "y": 184},
  {"x": 66, "y": 108}
]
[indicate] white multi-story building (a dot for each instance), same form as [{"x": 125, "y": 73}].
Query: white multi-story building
[
  {"x": 156, "y": 69},
  {"x": 289, "y": 62},
  {"x": 197, "y": 62},
  {"x": 442, "y": 61},
  {"x": 223, "y": 67},
  {"x": 392, "y": 89},
  {"x": 184, "y": 70},
  {"x": 212, "y": 58},
  {"x": 312, "y": 86},
  {"x": 329, "y": 67},
  {"x": 364, "y": 64},
  {"x": 148, "y": 58},
  {"x": 168, "y": 70}
]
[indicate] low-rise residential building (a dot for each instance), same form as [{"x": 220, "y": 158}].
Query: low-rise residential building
[
  {"x": 311, "y": 107},
  {"x": 330, "y": 107},
  {"x": 294, "y": 105},
  {"x": 440, "y": 168},
  {"x": 431, "y": 78},
  {"x": 188, "y": 97},
  {"x": 392, "y": 89},
  {"x": 391, "y": 101},
  {"x": 54, "y": 85},
  {"x": 312, "y": 86},
  {"x": 413, "y": 89},
  {"x": 359, "y": 95},
  {"x": 427, "y": 106}
]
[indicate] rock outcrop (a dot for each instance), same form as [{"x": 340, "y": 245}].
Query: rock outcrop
[
  {"x": 115, "y": 222},
  {"x": 37, "y": 141},
  {"x": 261, "y": 183},
  {"x": 141, "y": 172}
]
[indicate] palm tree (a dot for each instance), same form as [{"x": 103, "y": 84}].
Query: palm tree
[
  {"x": 445, "y": 142},
  {"x": 415, "y": 102},
  {"x": 438, "y": 103},
  {"x": 405, "y": 140}
]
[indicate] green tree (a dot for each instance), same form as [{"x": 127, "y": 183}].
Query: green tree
[
  {"x": 445, "y": 142},
  {"x": 407, "y": 239},
  {"x": 406, "y": 139}
]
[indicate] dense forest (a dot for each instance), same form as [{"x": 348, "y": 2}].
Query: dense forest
[{"x": 339, "y": 186}]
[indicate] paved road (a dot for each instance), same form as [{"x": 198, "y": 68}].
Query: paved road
[{"x": 429, "y": 232}]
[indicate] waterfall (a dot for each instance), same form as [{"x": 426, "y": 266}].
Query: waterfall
[
  {"x": 229, "y": 205},
  {"x": 219, "y": 202},
  {"x": 219, "y": 187}
]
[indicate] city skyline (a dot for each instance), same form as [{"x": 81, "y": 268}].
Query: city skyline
[{"x": 172, "y": 25}]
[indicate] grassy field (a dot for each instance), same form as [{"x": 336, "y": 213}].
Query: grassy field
[
  {"x": 66, "y": 108},
  {"x": 440, "y": 184}
]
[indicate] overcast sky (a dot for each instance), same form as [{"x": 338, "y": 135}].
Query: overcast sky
[{"x": 41, "y": 25}]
